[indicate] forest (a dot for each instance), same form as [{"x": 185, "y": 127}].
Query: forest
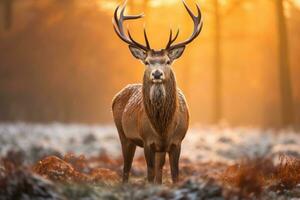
[
  {"x": 60, "y": 60},
  {"x": 61, "y": 64}
]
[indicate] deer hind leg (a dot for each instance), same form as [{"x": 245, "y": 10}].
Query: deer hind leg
[
  {"x": 159, "y": 164},
  {"x": 128, "y": 150},
  {"x": 149, "y": 151},
  {"x": 174, "y": 155}
]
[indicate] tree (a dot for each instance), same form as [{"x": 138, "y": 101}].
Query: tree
[
  {"x": 217, "y": 63},
  {"x": 7, "y": 13},
  {"x": 287, "y": 110},
  {"x": 218, "y": 15}
]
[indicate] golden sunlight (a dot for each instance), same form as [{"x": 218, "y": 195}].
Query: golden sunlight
[
  {"x": 231, "y": 33},
  {"x": 77, "y": 97},
  {"x": 159, "y": 3},
  {"x": 297, "y": 3},
  {"x": 107, "y": 5}
]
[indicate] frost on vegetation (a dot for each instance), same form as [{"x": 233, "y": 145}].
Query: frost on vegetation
[{"x": 82, "y": 161}]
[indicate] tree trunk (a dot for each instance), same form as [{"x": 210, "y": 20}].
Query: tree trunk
[
  {"x": 217, "y": 65},
  {"x": 7, "y": 11},
  {"x": 287, "y": 110},
  {"x": 145, "y": 6},
  {"x": 131, "y": 5}
]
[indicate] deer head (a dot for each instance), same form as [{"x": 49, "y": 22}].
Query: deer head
[{"x": 158, "y": 62}]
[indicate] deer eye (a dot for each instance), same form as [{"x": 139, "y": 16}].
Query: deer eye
[
  {"x": 146, "y": 63},
  {"x": 168, "y": 62}
]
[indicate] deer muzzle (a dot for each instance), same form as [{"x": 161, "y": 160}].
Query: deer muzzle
[{"x": 157, "y": 76}]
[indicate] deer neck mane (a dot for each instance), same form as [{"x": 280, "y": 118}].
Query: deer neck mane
[{"x": 160, "y": 102}]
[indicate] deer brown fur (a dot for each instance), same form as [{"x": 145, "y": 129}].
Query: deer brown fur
[{"x": 153, "y": 115}]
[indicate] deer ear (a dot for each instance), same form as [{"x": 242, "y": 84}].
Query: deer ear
[
  {"x": 176, "y": 53},
  {"x": 138, "y": 53}
]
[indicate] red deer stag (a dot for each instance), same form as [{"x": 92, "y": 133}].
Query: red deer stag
[{"x": 153, "y": 115}]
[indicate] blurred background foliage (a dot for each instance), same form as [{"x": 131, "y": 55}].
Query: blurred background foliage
[{"x": 60, "y": 60}]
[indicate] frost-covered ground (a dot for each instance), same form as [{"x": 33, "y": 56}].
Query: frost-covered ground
[
  {"x": 208, "y": 152},
  {"x": 202, "y": 143}
]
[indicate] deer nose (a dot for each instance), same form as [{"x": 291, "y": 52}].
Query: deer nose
[{"x": 157, "y": 74}]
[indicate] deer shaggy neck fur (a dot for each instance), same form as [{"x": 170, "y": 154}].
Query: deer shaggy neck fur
[{"x": 160, "y": 102}]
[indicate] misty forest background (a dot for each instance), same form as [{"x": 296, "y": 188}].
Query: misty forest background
[{"x": 60, "y": 60}]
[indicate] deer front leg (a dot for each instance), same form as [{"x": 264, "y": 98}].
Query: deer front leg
[
  {"x": 159, "y": 164},
  {"x": 174, "y": 155},
  {"x": 149, "y": 151},
  {"x": 128, "y": 149}
]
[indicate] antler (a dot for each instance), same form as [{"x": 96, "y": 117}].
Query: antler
[
  {"x": 197, "y": 29},
  {"x": 118, "y": 27}
]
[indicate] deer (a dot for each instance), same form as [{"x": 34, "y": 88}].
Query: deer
[{"x": 153, "y": 115}]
